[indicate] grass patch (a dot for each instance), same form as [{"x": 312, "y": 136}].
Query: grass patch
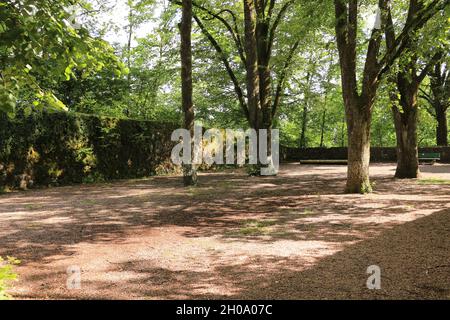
[
  {"x": 432, "y": 181},
  {"x": 88, "y": 202},
  {"x": 32, "y": 206},
  {"x": 307, "y": 211},
  {"x": 7, "y": 275},
  {"x": 196, "y": 191},
  {"x": 256, "y": 227},
  {"x": 226, "y": 184}
]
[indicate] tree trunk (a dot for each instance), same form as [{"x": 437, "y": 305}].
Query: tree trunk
[
  {"x": 303, "y": 133},
  {"x": 405, "y": 121},
  {"x": 442, "y": 127},
  {"x": 264, "y": 77},
  {"x": 407, "y": 144},
  {"x": 189, "y": 170},
  {"x": 305, "y": 111},
  {"x": 252, "y": 75},
  {"x": 322, "y": 127},
  {"x": 358, "y": 129},
  {"x": 130, "y": 37}
]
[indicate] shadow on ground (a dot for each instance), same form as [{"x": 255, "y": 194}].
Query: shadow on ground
[{"x": 292, "y": 236}]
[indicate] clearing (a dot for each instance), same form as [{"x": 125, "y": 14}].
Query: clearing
[{"x": 294, "y": 236}]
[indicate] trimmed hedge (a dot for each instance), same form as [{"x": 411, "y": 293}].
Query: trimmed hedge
[{"x": 65, "y": 148}]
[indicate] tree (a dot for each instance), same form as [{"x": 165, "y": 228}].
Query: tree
[
  {"x": 413, "y": 68},
  {"x": 359, "y": 97},
  {"x": 189, "y": 171},
  {"x": 261, "y": 99},
  {"x": 309, "y": 97},
  {"x": 255, "y": 52},
  {"x": 439, "y": 99},
  {"x": 260, "y": 31},
  {"x": 153, "y": 61},
  {"x": 41, "y": 45}
]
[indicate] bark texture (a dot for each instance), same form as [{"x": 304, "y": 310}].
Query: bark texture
[
  {"x": 189, "y": 171},
  {"x": 407, "y": 145}
]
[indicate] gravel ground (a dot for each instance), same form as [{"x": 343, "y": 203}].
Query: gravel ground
[{"x": 294, "y": 236}]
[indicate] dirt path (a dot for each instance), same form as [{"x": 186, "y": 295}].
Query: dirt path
[{"x": 292, "y": 236}]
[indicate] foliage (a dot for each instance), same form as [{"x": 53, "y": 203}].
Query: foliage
[
  {"x": 46, "y": 63},
  {"x": 7, "y": 275},
  {"x": 40, "y": 46},
  {"x": 434, "y": 181},
  {"x": 62, "y": 148}
]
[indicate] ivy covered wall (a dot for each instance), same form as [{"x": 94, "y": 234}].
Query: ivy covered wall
[{"x": 64, "y": 148}]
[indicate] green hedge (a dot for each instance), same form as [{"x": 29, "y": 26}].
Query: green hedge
[{"x": 65, "y": 148}]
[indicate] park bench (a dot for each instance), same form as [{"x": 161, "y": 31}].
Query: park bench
[{"x": 429, "y": 157}]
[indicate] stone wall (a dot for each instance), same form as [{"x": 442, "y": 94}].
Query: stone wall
[{"x": 377, "y": 154}]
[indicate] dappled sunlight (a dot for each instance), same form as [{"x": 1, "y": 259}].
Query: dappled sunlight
[{"x": 154, "y": 239}]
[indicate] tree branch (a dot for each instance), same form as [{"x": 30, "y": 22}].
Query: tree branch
[
  {"x": 275, "y": 24},
  {"x": 426, "y": 95},
  {"x": 283, "y": 75},
  {"x": 371, "y": 67},
  {"x": 234, "y": 32},
  {"x": 347, "y": 52},
  {"x": 400, "y": 43},
  {"x": 223, "y": 58},
  {"x": 271, "y": 7},
  {"x": 428, "y": 66}
]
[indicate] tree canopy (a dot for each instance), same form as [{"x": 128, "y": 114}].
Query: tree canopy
[{"x": 296, "y": 65}]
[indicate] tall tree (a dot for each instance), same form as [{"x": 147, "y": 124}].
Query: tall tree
[
  {"x": 189, "y": 170},
  {"x": 439, "y": 99},
  {"x": 359, "y": 97},
  {"x": 259, "y": 98},
  {"x": 407, "y": 80},
  {"x": 254, "y": 48}
]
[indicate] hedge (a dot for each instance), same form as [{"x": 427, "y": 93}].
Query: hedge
[{"x": 65, "y": 148}]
